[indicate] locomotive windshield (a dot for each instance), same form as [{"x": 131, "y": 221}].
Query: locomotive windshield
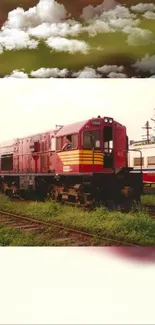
[{"x": 91, "y": 139}]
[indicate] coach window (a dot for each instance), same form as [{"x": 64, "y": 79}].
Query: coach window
[
  {"x": 151, "y": 161},
  {"x": 91, "y": 139},
  {"x": 137, "y": 162}
]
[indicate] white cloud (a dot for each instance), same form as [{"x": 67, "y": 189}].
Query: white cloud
[
  {"x": 117, "y": 75},
  {"x": 138, "y": 36},
  {"x": 90, "y": 12},
  {"x": 13, "y": 39},
  {"x": 118, "y": 12},
  {"x": 146, "y": 64},
  {"x": 87, "y": 72},
  {"x": 46, "y": 30},
  {"x": 108, "y": 21},
  {"x": 48, "y": 11},
  {"x": 143, "y": 7},
  {"x": 67, "y": 45},
  {"x": 17, "y": 74},
  {"x": 48, "y": 73},
  {"x": 98, "y": 26},
  {"x": 149, "y": 15},
  {"x": 105, "y": 69},
  {"x": 48, "y": 20},
  {"x": 120, "y": 23}
]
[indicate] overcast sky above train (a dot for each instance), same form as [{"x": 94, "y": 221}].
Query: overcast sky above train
[{"x": 29, "y": 106}]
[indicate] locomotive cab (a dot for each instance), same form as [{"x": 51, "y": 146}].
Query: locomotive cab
[{"x": 107, "y": 140}]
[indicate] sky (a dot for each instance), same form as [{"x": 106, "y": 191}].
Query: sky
[{"x": 31, "y": 106}]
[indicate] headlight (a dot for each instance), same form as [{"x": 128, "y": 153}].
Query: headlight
[
  {"x": 106, "y": 120},
  {"x": 110, "y": 120}
]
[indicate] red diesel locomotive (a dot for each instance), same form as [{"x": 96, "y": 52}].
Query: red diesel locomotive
[{"x": 82, "y": 163}]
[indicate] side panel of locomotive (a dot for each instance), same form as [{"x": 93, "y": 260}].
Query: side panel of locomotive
[
  {"x": 94, "y": 169},
  {"x": 6, "y": 157}
]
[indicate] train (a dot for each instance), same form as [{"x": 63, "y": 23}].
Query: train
[
  {"x": 142, "y": 158},
  {"x": 84, "y": 163}
]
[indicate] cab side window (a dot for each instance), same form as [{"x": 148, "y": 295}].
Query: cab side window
[
  {"x": 74, "y": 141},
  {"x": 91, "y": 139},
  {"x": 68, "y": 142}
]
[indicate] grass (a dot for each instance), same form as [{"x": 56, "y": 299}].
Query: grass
[
  {"x": 148, "y": 199},
  {"x": 133, "y": 228},
  {"x": 14, "y": 237}
]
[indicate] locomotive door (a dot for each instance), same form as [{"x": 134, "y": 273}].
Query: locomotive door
[
  {"x": 120, "y": 148},
  {"x": 108, "y": 147}
]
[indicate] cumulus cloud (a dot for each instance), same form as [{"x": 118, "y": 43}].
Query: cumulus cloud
[
  {"x": 49, "y": 73},
  {"x": 117, "y": 75},
  {"x": 119, "y": 12},
  {"x": 87, "y": 72},
  {"x": 49, "y": 21},
  {"x": 106, "y": 69},
  {"x": 149, "y": 15},
  {"x": 121, "y": 23},
  {"x": 90, "y": 12},
  {"x": 108, "y": 21},
  {"x": 146, "y": 64},
  {"x": 67, "y": 45},
  {"x": 46, "y": 30},
  {"x": 48, "y": 11},
  {"x": 143, "y": 7},
  {"x": 17, "y": 74},
  {"x": 112, "y": 71},
  {"x": 98, "y": 26},
  {"x": 138, "y": 36},
  {"x": 13, "y": 39}
]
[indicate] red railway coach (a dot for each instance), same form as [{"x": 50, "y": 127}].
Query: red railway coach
[{"x": 82, "y": 163}]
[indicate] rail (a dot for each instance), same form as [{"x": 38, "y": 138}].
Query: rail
[{"x": 39, "y": 223}]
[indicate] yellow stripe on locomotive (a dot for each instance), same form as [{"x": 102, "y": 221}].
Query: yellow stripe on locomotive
[{"x": 81, "y": 157}]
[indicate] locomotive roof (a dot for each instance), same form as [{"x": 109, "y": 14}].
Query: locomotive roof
[{"x": 71, "y": 128}]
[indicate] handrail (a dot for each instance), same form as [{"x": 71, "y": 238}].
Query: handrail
[{"x": 141, "y": 157}]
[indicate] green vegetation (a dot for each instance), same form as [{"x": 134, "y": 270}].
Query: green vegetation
[
  {"x": 133, "y": 228},
  {"x": 14, "y": 237},
  {"x": 148, "y": 199}
]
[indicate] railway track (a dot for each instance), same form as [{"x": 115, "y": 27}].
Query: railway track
[
  {"x": 150, "y": 209},
  {"x": 81, "y": 238},
  {"x": 149, "y": 190}
]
